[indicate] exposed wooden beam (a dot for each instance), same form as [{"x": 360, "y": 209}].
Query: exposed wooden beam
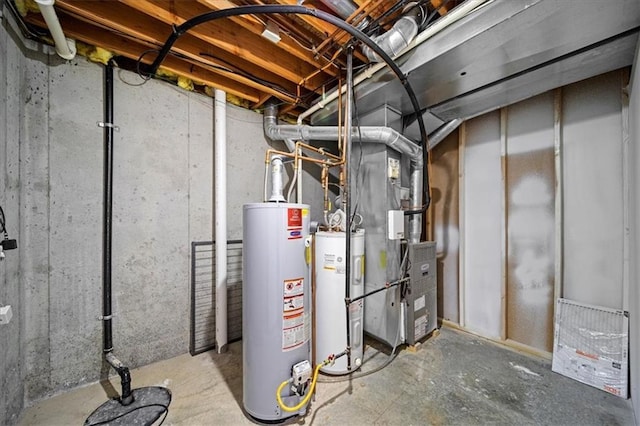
[
  {"x": 135, "y": 24},
  {"x": 126, "y": 47},
  {"x": 442, "y": 9},
  {"x": 225, "y": 35},
  {"x": 256, "y": 27},
  {"x": 321, "y": 26}
]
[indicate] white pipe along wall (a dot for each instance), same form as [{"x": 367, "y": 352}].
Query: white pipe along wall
[
  {"x": 220, "y": 201},
  {"x": 65, "y": 47}
]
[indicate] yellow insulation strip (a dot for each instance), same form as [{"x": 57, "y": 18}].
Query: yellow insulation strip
[
  {"x": 94, "y": 53},
  {"x": 26, "y": 6},
  {"x": 185, "y": 83}
]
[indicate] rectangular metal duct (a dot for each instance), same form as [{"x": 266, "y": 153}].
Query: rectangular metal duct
[{"x": 505, "y": 52}]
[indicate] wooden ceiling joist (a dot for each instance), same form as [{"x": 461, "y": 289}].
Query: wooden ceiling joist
[
  {"x": 287, "y": 42},
  {"x": 225, "y": 35},
  {"x": 141, "y": 27},
  {"x": 131, "y": 49}
]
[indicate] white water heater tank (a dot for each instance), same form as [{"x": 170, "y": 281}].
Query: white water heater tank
[
  {"x": 276, "y": 304},
  {"x": 330, "y": 315}
]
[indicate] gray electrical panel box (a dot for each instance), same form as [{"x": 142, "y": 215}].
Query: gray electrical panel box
[{"x": 421, "y": 297}]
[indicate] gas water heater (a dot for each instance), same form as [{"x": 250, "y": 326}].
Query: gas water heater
[
  {"x": 276, "y": 300},
  {"x": 330, "y": 309}
]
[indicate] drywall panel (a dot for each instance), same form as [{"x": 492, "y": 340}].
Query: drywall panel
[
  {"x": 446, "y": 214},
  {"x": 11, "y": 75},
  {"x": 634, "y": 216},
  {"x": 530, "y": 209},
  {"x": 592, "y": 174},
  {"x": 482, "y": 225}
]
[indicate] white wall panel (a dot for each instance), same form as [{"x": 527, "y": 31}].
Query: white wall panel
[
  {"x": 592, "y": 164},
  {"x": 482, "y": 225},
  {"x": 530, "y": 204}
]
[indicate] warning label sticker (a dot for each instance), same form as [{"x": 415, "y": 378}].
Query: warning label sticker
[
  {"x": 293, "y": 315},
  {"x": 294, "y": 218},
  {"x": 330, "y": 261}
]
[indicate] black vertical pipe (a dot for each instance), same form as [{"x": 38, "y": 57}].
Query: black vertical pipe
[
  {"x": 107, "y": 336},
  {"x": 126, "y": 396},
  {"x": 347, "y": 197}
]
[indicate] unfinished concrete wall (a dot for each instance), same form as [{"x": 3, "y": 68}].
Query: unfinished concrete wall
[
  {"x": 162, "y": 201},
  {"x": 11, "y": 97},
  {"x": 634, "y": 216}
]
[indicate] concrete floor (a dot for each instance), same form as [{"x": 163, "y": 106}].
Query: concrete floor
[{"x": 454, "y": 378}]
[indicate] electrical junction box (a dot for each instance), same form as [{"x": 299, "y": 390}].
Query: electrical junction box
[
  {"x": 5, "y": 314},
  {"x": 421, "y": 297},
  {"x": 393, "y": 168},
  {"x": 395, "y": 224}
]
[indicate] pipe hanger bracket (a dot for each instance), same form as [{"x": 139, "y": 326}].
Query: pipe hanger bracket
[{"x": 103, "y": 124}]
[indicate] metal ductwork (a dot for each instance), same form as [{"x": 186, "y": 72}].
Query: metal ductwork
[
  {"x": 372, "y": 134},
  {"x": 394, "y": 40},
  {"x": 344, "y": 9},
  {"x": 399, "y": 36}
]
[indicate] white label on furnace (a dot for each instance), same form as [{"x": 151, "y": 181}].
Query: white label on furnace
[
  {"x": 420, "y": 327},
  {"x": 419, "y": 303}
]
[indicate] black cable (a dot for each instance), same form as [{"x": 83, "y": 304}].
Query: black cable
[
  {"x": 3, "y": 229},
  {"x": 375, "y": 24},
  {"x": 357, "y": 120},
  {"x": 3, "y": 222},
  {"x": 270, "y": 9},
  {"x": 433, "y": 13}
]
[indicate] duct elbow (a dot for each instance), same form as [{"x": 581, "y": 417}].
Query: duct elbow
[{"x": 394, "y": 40}]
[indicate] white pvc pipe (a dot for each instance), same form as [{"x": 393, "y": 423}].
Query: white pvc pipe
[
  {"x": 220, "y": 199},
  {"x": 65, "y": 47},
  {"x": 442, "y": 23}
]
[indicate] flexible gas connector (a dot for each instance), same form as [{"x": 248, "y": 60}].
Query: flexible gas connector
[{"x": 309, "y": 392}]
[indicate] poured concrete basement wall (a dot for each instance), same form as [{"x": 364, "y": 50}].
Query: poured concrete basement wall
[
  {"x": 12, "y": 64},
  {"x": 52, "y": 189}
]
